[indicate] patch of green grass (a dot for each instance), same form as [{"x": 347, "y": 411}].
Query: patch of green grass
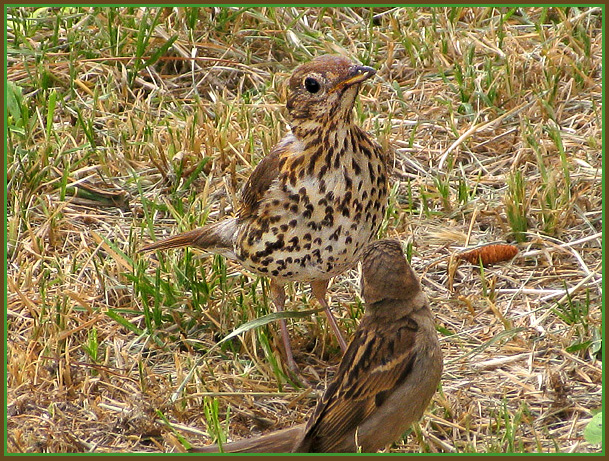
[
  {"x": 576, "y": 314},
  {"x": 215, "y": 427},
  {"x": 508, "y": 428},
  {"x": 516, "y": 205}
]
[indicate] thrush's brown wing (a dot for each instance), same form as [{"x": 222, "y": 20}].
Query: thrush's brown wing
[
  {"x": 378, "y": 360},
  {"x": 261, "y": 179}
]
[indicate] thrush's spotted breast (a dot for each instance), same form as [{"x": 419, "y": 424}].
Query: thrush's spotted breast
[{"x": 314, "y": 202}]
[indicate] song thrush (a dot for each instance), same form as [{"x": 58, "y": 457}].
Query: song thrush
[
  {"x": 387, "y": 376},
  {"x": 313, "y": 203}
]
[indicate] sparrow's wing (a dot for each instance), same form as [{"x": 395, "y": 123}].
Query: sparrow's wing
[{"x": 378, "y": 360}]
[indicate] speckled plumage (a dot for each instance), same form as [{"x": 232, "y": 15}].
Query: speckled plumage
[{"x": 314, "y": 202}]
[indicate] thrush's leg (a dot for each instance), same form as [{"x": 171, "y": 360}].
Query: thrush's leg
[
  {"x": 319, "y": 291},
  {"x": 278, "y": 297}
]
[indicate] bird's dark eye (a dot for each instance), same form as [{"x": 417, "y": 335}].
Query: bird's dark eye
[{"x": 311, "y": 85}]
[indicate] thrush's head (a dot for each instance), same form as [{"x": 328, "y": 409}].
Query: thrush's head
[
  {"x": 386, "y": 274},
  {"x": 324, "y": 88}
]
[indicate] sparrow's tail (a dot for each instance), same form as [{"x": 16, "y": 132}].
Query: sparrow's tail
[
  {"x": 276, "y": 442},
  {"x": 217, "y": 238}
]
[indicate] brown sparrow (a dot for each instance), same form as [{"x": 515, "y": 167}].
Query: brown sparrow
[{"x": 387, "y": 376}]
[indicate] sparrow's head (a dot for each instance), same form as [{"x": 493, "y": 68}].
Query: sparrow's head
[
  {"x": 324, "y": 90},
  {"x": 386, "y": 274}
]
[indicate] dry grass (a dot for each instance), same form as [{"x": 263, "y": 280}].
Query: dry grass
[{"x": 110, "y": 351}]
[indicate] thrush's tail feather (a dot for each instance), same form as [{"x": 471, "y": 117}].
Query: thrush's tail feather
[
  {"x": 217, "y": 238},
  {"x": 282, "y": 441}
]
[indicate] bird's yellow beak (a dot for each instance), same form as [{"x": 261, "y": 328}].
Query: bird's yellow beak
[{"x": 357, "y": 74}]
